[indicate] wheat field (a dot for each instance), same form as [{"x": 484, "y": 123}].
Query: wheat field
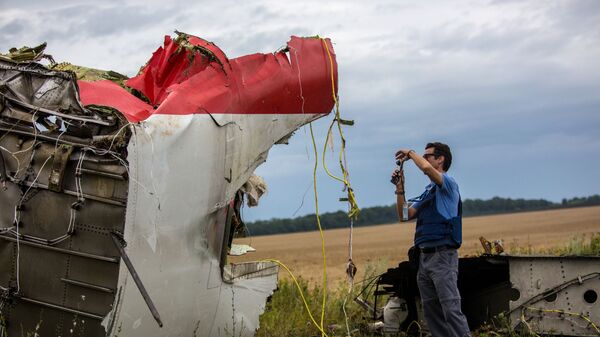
[{"x": 388, "y": 244}]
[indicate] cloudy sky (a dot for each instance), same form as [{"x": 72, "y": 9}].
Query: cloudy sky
[{"x": 512, "y": 86}]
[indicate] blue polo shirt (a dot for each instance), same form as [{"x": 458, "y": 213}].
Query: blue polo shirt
[{"x": 447, "y": 197}]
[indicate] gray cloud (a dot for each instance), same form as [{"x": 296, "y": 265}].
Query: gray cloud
[
  {"x": 92, "y": 21},
  {"x": 9, "y": 31},
  {"x": 12, "y": 28},
  {"x": 579, "y": 17}
]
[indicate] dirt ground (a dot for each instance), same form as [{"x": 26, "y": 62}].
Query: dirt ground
[{"x": 388, "y": 244}]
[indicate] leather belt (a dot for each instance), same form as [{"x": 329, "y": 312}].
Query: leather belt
[{"x": 429, "y": 250}]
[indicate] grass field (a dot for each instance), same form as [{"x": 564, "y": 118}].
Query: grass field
[{"x": 389, "y": 243}]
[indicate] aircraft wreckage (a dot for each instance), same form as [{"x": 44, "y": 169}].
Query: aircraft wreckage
[
  {"x": 548, "y": 295},
  {"x": 119, "y": 197}
]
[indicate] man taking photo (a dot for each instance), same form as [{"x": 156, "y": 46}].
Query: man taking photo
[{"x": 438, "y": 235}]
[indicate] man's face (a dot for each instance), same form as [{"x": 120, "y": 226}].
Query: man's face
[{"x": 430, "y": 157}]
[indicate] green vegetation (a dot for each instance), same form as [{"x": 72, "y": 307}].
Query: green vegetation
[
  {"x": 387, "y": 214},
  {"x": 286, "y": 316},
  {"x": 579, "y": 245}
]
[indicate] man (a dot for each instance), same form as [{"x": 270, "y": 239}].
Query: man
[{"x": 437, "y": 236}]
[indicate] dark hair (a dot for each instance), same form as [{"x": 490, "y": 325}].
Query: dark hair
[{"x": 441, "y": 149}]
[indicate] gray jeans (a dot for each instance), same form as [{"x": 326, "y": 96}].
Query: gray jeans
[{"x": 436, "y": 278}]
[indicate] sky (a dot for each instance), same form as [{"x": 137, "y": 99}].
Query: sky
[{"x": 512, "y": 86}]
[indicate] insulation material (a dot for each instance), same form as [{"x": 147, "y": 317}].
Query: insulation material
[
  {"x": 239, "y": 250},
  {"x": 254, "y": 188}
]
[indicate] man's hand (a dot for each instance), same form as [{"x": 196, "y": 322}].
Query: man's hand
[
  {"x": 403, "y": 155},
  {"x": 398, "y": 180}
]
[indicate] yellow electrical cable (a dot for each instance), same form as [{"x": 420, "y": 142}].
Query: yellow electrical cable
[
  {"x": 527, "y": 324},
  {"x": 354, "y": 210},
  {"x": 320, "y": 327},
  {"x": 312, "y": 135},
  {"x": 353, "y": 213},
  {"x": 325, "y": 149},
  {"x": 584, "y": 317},
  {"x": 353, "y": 207},
  {"x": 324, "y": 299}
]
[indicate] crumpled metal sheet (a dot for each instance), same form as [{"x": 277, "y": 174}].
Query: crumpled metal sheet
[
  {"x": 108, "y": 93},
  {"x": 38, "y": 86},
  {"x": 190, "y": 75}
]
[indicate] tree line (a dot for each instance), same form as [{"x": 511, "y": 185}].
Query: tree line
[{"x": 378, "y": 215}]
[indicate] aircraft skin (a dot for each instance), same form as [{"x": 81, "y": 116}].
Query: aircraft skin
[
  {"x": 177, "y": 249},
  {"x": 206, "y": 125}
]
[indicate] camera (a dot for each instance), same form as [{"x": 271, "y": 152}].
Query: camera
[{"x": 396, "y": 178}]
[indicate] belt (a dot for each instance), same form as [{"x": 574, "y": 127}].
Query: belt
[{"x": 429, "y": 250}]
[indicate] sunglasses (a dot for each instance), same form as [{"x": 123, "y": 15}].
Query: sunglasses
[{"x": 427, "y": 155}]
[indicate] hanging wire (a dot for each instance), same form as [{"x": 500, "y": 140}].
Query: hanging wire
[
  {"x": 322, "y": 236},
  {"x": 563, "y": 312},
  {"x": 312, "y": 319},
  {"x": 353, "y": 209},
  {"x": 320, "y": 325},
  {"x": 17, "y": 219}
]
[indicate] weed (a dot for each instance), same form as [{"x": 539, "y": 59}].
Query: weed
[{"x": 579, "y": 245}]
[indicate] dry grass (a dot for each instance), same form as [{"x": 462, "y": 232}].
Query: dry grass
[{"x": 302, "y": 251}]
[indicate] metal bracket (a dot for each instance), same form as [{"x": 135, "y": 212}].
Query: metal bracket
[
  {"x": 59, "y": 163},
  {"x": 120, "y": 244}
]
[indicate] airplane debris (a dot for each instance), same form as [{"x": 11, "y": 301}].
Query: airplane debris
[
  {"x": 238, "y": 250},
  {"x": 253, "y": 189},
  {"x": 548, "y": 295},
  {"x": 87, "y": 153},
  {"x": 487, "y": 246},
  {"x": 492, "y": 248},
  {"x": 118, "y": 241}
]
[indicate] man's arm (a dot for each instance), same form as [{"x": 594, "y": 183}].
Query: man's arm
[
  {"x": 401, "y": 197},
  {"x": 411, "y": 211},
  {"x": 422, "y": 164}
]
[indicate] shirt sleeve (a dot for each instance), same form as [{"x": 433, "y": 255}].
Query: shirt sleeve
[
  {"x": 448, "y": 184},
  {"x": 448, "y": 197}
]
